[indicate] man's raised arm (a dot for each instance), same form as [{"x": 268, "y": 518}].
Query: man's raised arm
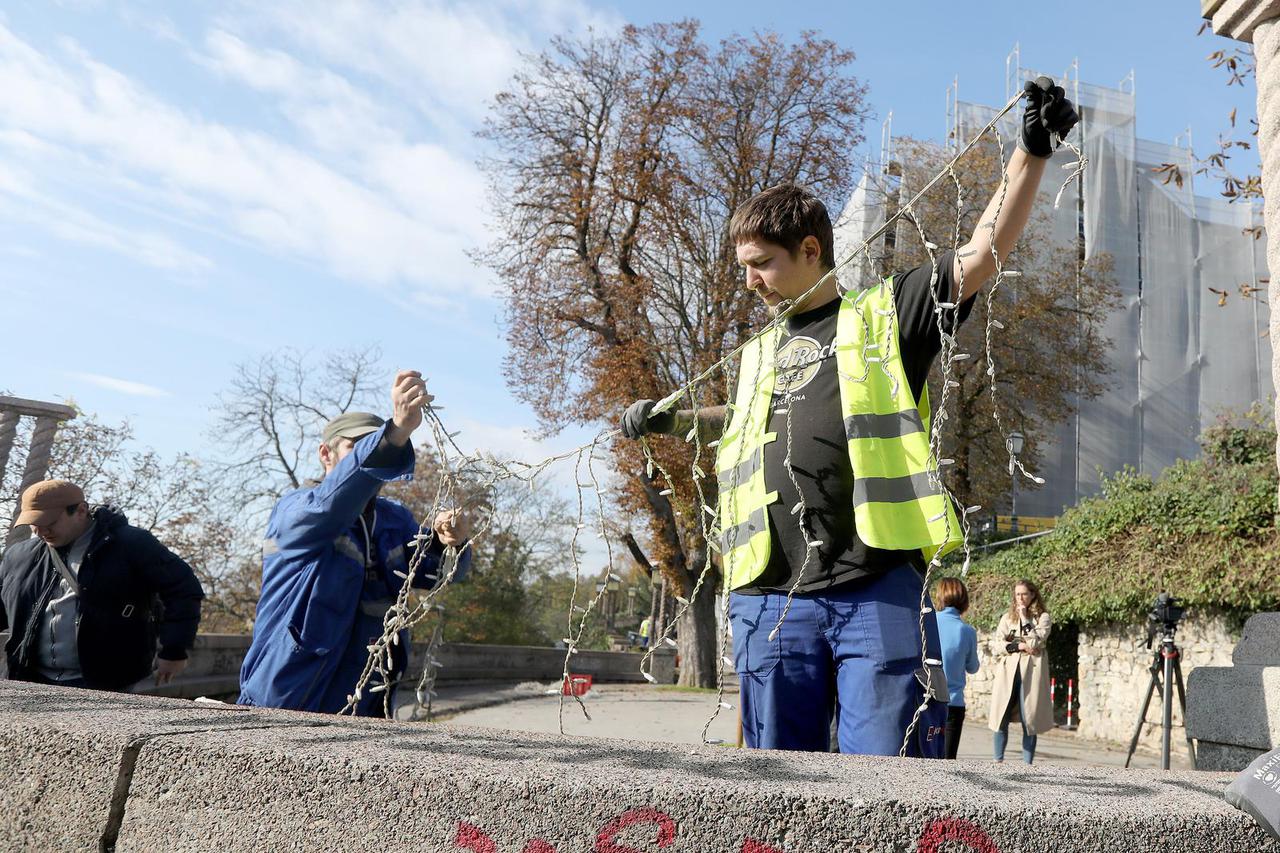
[{"x": 1048, "y": 113}]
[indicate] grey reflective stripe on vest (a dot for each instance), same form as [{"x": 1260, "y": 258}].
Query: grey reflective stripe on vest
[
  {"x": 395, "y": 557},
  {"x": 347, "y": 546},
  {"x": 742, "y": 472},
  {"x": 892, "y": 490},
  {"x": 377, "y": 608},
  {"x": 895, "y": 425},
  {"x": 729, "y": 539},
  {"x": 269, "y": 547}
]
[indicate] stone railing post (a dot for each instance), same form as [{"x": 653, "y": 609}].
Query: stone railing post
[
  {"x": 8, "y": 433},
  {"x": 1258, "y": 21},
  {"x": 48, "y": 416}
]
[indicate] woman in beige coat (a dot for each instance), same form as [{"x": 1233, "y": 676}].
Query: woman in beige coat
[{"x": 1022, "y": 672}]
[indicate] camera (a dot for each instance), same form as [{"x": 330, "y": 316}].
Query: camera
[{"x": 1164, "y": 616}]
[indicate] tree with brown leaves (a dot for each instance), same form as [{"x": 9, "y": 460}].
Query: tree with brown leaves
[{"x": 617, "y": 162}]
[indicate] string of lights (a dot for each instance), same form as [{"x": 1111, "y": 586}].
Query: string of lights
[{"x": 462, "y": 473}]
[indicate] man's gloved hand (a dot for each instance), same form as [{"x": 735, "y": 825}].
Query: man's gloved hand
[
  {"x": 1048, "y": 113},
  {"x": 636, "y": 421}
]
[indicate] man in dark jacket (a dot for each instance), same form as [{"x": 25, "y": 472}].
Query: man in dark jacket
[{"x": 88, "y": 597}]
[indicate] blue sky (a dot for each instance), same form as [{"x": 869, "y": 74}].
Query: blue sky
[{"x": 187, "y": 186}]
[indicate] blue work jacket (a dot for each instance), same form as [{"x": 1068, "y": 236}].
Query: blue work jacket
[{"x": 328, "y": 577}]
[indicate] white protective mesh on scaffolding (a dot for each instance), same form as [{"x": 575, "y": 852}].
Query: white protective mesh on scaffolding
[
  {"x": 1176, "y": 357},
  {"x": 1110, "y": 426},
  {"x": 1169, "y": 373},
  {"x": 862, "y": 217},
  {"x": 1235, "y": 356}
]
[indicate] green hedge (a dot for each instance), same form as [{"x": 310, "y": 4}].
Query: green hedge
[{"x": 1205, "y": 530}]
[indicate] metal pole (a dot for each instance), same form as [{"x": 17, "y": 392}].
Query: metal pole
[
  {"x": 1182, "y": 703},
  {"x": 1013, "y": 502},
  {"x": 1166, "y": 718}
]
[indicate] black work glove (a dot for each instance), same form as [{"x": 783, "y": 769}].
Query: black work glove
[
  {"x": 636, "y": 421},
  {"x": 1048, "y": 113}
]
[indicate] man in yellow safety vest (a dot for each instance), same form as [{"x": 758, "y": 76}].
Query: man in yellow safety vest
[{"x": 824, "y": 468}]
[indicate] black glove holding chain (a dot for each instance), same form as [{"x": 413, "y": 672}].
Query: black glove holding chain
[
  {"x": 636, "y": 421},
  {"x": 1048, "y": 113}
]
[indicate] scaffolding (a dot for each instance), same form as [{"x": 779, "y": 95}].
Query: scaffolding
[{"x": 1180, "y": 352}]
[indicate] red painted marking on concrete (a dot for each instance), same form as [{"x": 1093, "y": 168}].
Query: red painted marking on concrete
[
  {"x": 473, "y": 838},
  {"x": 935, "y": 835},
  {"x": 947, "y": 829},
  {"x": 537, "y": 845},
  {"x": 648, "y": 814}
]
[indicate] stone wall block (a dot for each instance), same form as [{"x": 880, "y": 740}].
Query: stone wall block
[
  {"x": 1260, "y": 643},
  {"x": 134, "y": 773},
  {"x": 1237, "y": 705}
]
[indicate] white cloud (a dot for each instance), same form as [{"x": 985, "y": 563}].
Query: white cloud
[
  {"x": 21, "y": 202},
  {"x": 442, "y": 58},
  {"x": 330, "y": 111},
  {"x": 372, "y": 178},
  {"x": 281, "y": 197},
  {"x": 124, "y": 386}
]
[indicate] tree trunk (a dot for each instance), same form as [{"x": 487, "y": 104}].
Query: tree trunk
[{"x": 698, "y": 642}]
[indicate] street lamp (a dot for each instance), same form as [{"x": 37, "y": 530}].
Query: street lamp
[{"x": 1014, "y": 445}]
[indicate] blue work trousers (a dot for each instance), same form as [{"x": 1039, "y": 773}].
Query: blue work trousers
[{"x": 853, "y": 653}]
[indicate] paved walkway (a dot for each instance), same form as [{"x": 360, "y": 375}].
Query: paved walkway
[{"x": 678, "y": 716}]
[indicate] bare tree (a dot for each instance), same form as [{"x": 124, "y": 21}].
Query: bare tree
[
  {"x": 618, "y": 163},
  {"x": 268, "y": 421}
]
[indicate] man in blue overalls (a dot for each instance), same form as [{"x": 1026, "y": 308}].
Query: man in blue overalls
[{"x": 333, "y": 561}]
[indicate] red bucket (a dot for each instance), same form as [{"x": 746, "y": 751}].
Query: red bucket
[{"x": 576, "y": 685}]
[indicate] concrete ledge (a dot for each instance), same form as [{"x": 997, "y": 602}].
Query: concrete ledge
[
  {"x": 1237, "y": 19},
  {"x": 186, "y": 777},
  {"x": 67, "y": 756},
  {"x": 38, "y": 408},
  {"x": 1237, "y": 705}
]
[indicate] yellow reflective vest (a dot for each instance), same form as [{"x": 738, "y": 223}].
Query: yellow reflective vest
[{"x": 896, "y": 505}]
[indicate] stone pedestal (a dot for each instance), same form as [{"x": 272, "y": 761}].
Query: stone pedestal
[
  {"x": 1233, "y": 712},
  {"x": 664, "y": 666}
]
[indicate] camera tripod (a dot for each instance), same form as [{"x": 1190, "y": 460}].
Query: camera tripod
[{"x": 1166, "y": 666}]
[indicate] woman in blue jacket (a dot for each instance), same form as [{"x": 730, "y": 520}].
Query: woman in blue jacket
[{"x": 959, "y": 653}]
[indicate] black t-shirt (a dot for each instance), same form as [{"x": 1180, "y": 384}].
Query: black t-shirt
[{"x": 806, "y": 398}]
